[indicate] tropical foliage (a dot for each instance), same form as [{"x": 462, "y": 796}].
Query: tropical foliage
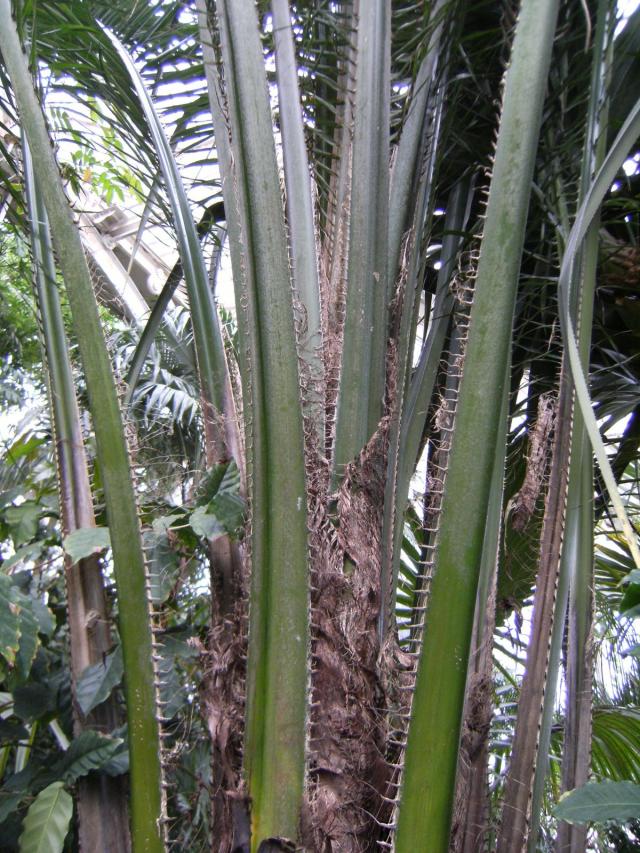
[{"x": 324, "y": 564}]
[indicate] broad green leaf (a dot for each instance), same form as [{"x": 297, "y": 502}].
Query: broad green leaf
[
  {"x": 214, "y": 481},
  {"x": 172, "y": 692},
  {"x": 224, "y": 512},
  {"x": 228, "y": 505},
  {"x": 89, "y": 751},
  {"x": 18, "y": 627},
  {"x": 9, "y": 621},
  {"x": 119, "y": 762},
  {"x": 163, "y": 563},
  {"x": 164, "y": 522},
  {"x": 47, "y": 821},
  {"x": 46, "y": 624},
  {"x": 206, "y": 524},
  {"x": 34, "y": 700},
  {"x": 600, "y": 801},
  {"x": 86, "y": 541},
  {"x": 29, "y": 627},
  {"x": 632, "y": 650},
  {"x": 25, "y": 446},
  {"x": 23, "y": 521},
  {"x": 97, "y": 681}
]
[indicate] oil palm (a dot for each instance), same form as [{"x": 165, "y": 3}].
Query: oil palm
[{"x": 334, "y": 292}]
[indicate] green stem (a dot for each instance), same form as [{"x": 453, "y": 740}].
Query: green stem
[
  {"x": 278, "y": 630},
  {"x": 113, "y": 458},
  {"x": 428, "y": 785},
  {"x": 362, "y": 375},
  {"x": 300, "y": 220}
]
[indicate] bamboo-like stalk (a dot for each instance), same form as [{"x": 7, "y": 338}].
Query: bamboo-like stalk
[
  {"x": 102, "y": 804},
  {"x": 113, "y": 458},
  {"x": 427, "y": 788},
  {"x": 278, "y": 629}
]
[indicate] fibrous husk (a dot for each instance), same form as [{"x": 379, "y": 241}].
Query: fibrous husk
[{"x": 348, "y": 769}]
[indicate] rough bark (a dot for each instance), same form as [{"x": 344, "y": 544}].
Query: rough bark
[{"x": 347, "y": 766}]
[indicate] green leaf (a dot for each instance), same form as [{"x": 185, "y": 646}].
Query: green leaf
[
  {"x": 97, "y": 681},
  {"x": 224, "y": 512},
  {"x": 631, "y": 597},
  {"x": 9, "y": 621},
  {"x": 18, "y": 627},
  {"x": 29, "y": 628},
  {"x": 632, "y": 650},
  {"x": 85, "y": 541},
  {"x": 163, "y": 563},
  {"x": 23, "y": 521},
  {"x": 47, "y": 821},
  {"x": 9, "y": 802},
  {"x": 205, "y": 524},
  {"x": 600, "y": 801},
  {"x": 228, "y": 505},
  {"x": 119, "y": 763},
  {"x": 89, "y": 751},
  {"x": 46, "y": 624},
  {"x": 12, "y": 730},
  {"x": 164, "y": 522},
  {"x": 25, "y": 446},
  {"x": 34, "y": 700},
  {"x": 172, "y": 692}
]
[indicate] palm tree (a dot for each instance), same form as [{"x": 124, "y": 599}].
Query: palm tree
[{"x": 347, "y": 687}]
